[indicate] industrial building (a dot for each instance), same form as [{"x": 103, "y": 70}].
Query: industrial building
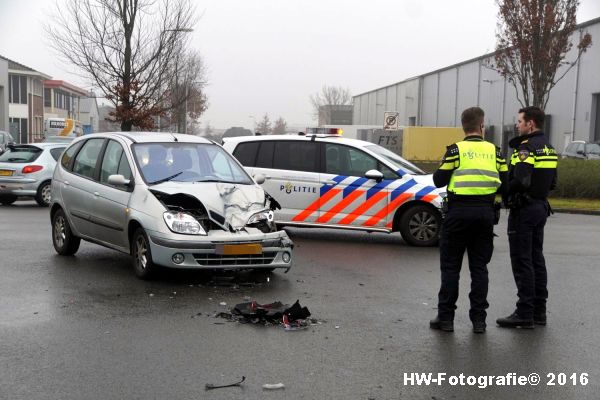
[{"x": 437, "y": 98}]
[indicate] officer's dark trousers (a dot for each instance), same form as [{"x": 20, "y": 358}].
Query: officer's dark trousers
[
  {"x": 526, "y": 240},
  {"x": 469, "y": 228}
]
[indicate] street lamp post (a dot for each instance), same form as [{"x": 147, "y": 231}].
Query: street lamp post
[{"x": 182, "y": 30}]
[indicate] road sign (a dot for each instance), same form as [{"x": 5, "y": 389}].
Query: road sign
[{"x": 390, "y": 120}]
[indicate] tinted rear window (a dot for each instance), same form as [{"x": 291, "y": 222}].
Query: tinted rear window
[
  {"x": 246, "y": 153},
  {"x": 21, "y": 154},
  {"x": 265, "y": 155},
  {"x": 296, "y": 156}
]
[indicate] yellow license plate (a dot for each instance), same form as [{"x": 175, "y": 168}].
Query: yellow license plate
[
  {"x": 239, "y": 249},
  {"x": 5, "y": 172}
]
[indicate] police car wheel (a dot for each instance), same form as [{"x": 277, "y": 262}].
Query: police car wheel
[{"x": 420, "y": 226}]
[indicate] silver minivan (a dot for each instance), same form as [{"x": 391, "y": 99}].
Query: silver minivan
[{"x": 169, "y": 200}]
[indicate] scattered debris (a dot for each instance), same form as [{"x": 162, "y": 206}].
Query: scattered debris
[
  {"x": 273, "y": 386},
  {"x": 337, "y": 327},
  {"x": 197, "y": 315},
  {"x": 292, "y": 318},
  {"x": 222, "y": 303},
  {"x": 296, "y": 325},
  {"x": 210, "y": 386},
  {"x": 151, "y": 295}
]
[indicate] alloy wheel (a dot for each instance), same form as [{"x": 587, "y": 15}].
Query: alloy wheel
[{"x": 423, "y": 226}]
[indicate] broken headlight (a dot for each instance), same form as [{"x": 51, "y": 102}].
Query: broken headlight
[
  {"x": 262, "y": 216},
  {"x": 184, "y": 223}
]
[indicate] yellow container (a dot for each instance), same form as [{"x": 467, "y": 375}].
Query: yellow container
[{"x": 423, "y": 143}]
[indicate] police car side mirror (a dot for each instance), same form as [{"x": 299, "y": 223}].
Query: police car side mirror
[
  {"x": 374, "y": 174},
  {"x": 259, "y": 178}
]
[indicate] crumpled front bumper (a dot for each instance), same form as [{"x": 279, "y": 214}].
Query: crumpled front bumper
[{"x": 206, "y": 252}]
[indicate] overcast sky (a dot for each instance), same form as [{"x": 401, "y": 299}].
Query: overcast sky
[{"x": 268, "y": 56}]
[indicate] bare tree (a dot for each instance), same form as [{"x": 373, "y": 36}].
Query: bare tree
[
  {"x": 127, "y": 48},
  {"x": 264, "y": 126},
  {"x": 533, "y": 39},
  {"x": 329, "y": 96},
  {"x": 185, "y": 100},
  {"x": 280, "y": 127}
]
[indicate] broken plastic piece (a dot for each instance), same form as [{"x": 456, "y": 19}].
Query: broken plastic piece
[
  {"x": 273, "y": 386},
  {"x": 210, "y": 386}
]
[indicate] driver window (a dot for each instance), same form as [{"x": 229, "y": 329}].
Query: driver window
[{"x": 114, "y": 162}]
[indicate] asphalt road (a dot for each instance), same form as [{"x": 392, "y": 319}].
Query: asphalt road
[{"x": 84, "y": 327}]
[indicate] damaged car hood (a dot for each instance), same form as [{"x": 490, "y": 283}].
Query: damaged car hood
[{"x": 236, "y": 203}]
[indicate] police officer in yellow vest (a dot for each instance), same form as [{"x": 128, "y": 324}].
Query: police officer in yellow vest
[
  {"x": 531, "y": 176},
  {"x": 474, "y": 171}
]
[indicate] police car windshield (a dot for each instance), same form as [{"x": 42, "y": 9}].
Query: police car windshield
[{"x": 400, "y": 163}]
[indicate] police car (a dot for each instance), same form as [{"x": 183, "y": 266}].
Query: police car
[{"x": 321, "y": 179}]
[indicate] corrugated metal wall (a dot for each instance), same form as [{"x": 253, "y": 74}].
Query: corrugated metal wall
[{"x": 438, "y": 98}]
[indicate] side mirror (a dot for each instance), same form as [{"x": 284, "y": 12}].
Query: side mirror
[
  {"x": 374, "y": 174},
  {"x": 118, "y": 180},
  {"x": 259, "y": 178}
]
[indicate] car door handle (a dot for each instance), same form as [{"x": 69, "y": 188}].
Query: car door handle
[
  {"x": 96, "y": 194},
  {"x": 67, "y": 183},
  {"x": 330, "y": 182}
]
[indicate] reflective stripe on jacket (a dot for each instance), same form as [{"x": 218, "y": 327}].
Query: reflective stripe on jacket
[{"x": 477, "y": 171}]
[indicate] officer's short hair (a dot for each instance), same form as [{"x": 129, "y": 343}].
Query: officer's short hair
[
  {"x": 472, "y": 119},
  {"x": 534, "y": 114}
]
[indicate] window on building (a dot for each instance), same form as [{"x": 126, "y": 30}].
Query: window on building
[
  {"x": 17, "y": 89},
  {"x": 47, "y": 98},
  {"x": 18, "y": 128}
]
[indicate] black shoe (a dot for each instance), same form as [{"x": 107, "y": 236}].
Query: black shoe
[
  {"x": 479, "y": 326},
  {"x": 446, "y": 326},
  {"x": 514, "y": 321},
  {"x": 539, "y": 319}
]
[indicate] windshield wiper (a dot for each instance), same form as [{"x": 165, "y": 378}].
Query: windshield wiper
[
  {"x": 168, "y": 178},
  {"x": 222, "y": 181}
]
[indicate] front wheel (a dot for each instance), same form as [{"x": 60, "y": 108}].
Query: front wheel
[
  {"x": 143, "y": 265},
  {"x": 65, "y": 243},
  {"x": 420, "y": 226}
]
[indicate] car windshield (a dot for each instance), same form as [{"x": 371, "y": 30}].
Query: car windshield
[
  {"x": 399, "y": 162},
  {"x": 21, "y": 154},
  {"x": 593, "y": 148},
  {"x": 187, "y": 162}
]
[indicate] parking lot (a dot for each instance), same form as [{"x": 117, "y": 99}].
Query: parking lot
[{"x": 85, "y": 327}]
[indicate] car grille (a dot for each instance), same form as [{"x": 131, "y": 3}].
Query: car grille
[{"x": 212, "y": 260}]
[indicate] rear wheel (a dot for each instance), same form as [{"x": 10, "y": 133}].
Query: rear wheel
[
  {"x": 420, "y": 226},
  {"x": 43, "y": 195},
  {"x": 65, "y": 243},
  {"x": 143, "y": 265},
  {"x": 7, "y": 199}
]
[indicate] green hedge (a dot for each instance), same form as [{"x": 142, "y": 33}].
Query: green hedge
[{"x": 577, "y": 179}]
